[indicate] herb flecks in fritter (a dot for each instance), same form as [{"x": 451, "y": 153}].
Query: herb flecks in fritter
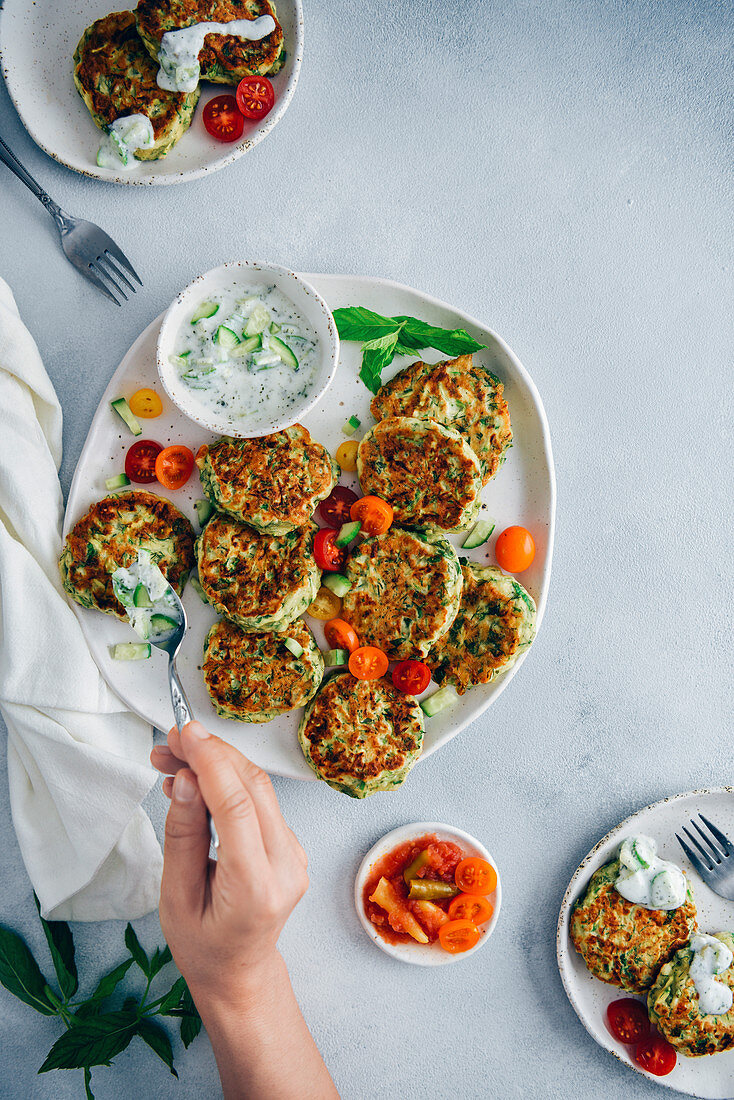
[{"x": 674, "y": 1007}]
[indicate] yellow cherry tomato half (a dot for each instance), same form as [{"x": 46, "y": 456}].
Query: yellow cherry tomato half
[
  {"x": 146, "y": 403},
  {"x": 325, "y": 606},
  {"x": 515, "y": 549},
  {"x": 368, "y": 663},
  {"x": 346, "y": 456}
]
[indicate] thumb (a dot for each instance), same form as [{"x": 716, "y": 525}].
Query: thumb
[{"x": 186, "y": 851}]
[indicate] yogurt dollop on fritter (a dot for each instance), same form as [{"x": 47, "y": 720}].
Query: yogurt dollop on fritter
[
  {"x": 406, "y": 591},
  {"x": 109, "y": 537},
  {"x": 694, "y": 1014},
  {"x": 255, "y": 677},
  {"x": 260, "y": 581},
  {"x": 622, "y": 943},
  {"x": 273, "y": 483},
  {"x": 459, "y": 393},
  {"x": 494, "y": 625},
  {"x": 428, "y": 473},
  {"x": 361, "y": 736}
]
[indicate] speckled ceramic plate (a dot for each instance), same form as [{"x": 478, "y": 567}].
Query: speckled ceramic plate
[
  {"x": 713, "y": 1076},
  {"x": 522, "y": 492},
  {"x": 37, "y": 43}
]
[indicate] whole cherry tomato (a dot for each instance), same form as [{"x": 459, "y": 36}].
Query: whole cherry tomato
[{"x": 514, "y": 549}]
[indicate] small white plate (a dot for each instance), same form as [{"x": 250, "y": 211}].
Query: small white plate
[
  {"x": 37, "y": 43},
  {"x": 711, "y": 1077},
  {"x": 242, "y": 275},
  {"x": 424, "y": 954}
]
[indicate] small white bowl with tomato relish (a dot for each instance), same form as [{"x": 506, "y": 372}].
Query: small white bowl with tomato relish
[{"x": 428, "y": 894}]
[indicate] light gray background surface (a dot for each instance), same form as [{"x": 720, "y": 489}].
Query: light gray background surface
[{"x": 561, "y": 170}]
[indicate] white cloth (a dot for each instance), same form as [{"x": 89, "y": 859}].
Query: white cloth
[{"x": 78, "y": 764}]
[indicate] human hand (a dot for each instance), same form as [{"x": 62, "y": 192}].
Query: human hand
[{"x": 222, "y": 918}]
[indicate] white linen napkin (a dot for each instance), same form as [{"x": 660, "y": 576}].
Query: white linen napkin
[{"x": 77, "y": 759}]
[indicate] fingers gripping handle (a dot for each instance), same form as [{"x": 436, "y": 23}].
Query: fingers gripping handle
[{"x": 182, "y": 714}]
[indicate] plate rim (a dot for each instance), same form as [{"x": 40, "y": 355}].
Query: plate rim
[
  {"x": 159, "y": 180},
  {"x": 564, "y": 914}
]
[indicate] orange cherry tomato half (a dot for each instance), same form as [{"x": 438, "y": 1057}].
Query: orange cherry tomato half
[
  {"x": 374, "y": 513},
  {"x": 173, "y": 466},
  {"x": 514, "y": 549},
  {"x": 412, "y": 677},
  {"x": 628, "y": 1021},
  {"x": 255, "y": 96},
  {"x": 145, "y": 404},
  {"x": 475, "y": 876},
  {"x": 346, "y": 456},
  {"x": 340, "y": 635},
  {"x": 656, "y": 1055},
  {"x": 368, "y": 663},
  {"x": 140, "y": 461},
  {"x": 325, "y": 605},
  {"x": 472, "y": 908},
  {"x": 328, "y": 555},
  {"x": 223, "y": 118},
  {"x": 458, "y": 935}
]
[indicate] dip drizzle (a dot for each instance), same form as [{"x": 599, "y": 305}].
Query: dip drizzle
[
  {"x": 178, "y": 55},
  {"x": 710, "y": 957}
]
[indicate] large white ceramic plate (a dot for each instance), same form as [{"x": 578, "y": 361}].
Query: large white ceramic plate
[
  {"x": 713, "y": 1076},
  {"x": 523, "y": 492},
  {"x": 37, "y": 43}
]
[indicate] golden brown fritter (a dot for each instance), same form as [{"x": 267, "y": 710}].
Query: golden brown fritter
[
  {"x": 459, "y": 393},
  {"x": 674, "y": 1008}
]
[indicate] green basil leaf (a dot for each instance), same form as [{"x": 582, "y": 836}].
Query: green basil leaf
[
  {"x": 20, "y": 973},
  {"x": 133, "y": 945},
  {"x": 159, "y": 960},
  {"x": 109, "y": 983},
  {"x": 172, "y": 999},
  {"x": 157, "y": 1040},
  {"x": 94, "y": 1042},
  {"x": 376, "y": 355},
  {"x": 358, "y": 323},
  {"x": 417, "y": 334},
  {"x": 61, "y": 945},
  {"x": 89, "y": 1095}
]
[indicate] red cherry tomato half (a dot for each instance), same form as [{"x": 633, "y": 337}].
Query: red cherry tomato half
[
  {"x": 223, "y": 119},
  {"x": 514, "y": 549},
  {"x": 173, "y": 466},
  {"x": 335, "y": 510},
  {"x": 458, "y": 935},
  {"x": 368, "y": 663},
  {"x": 340, "y": 635},
  {"x": 255, "y": 96},
  {"x": 656, "y": 1056},
  {"x": 328, "y": 555},
  {"x": 140, "y": 461},
  {"x": 475, "y": 876},
  {"x": 628, "y": 1021},
  {"x": 412, "y": 677}
]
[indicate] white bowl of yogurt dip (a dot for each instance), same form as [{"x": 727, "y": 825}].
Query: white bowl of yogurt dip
[{"x": 247, "y": 348}]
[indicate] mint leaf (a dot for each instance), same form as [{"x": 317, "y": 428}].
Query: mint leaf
[
  {"x": 358, "y": 323},
  {"x": 401, "y": 349},
  {"x": 94, "y": 1042},
  {"x": 61, "y": 945},
  {"x": 376, "y": 355},
  {"x": 109, "y": 983},
  {"x": 157, "y": 1040},
  {"x": 172, "y": 999},
  {"x": 417, "y": 334},
  {"x": 159, "y": 960},
  {"x": 190, "y": 1028},
  {"x": 20, "y": 973},
  {"x": 133, "y": 945}
]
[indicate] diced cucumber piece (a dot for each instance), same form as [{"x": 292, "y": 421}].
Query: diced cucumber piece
[
  {"x": 479, "y": 534},
  {"x": 283, "y": 352},
  {"x": 131, "y": 651},
  {"x": 337, "y": 583},
  {"x": 119, "y": 145},
  {"x": 348, "y": 532},
  {"x": 196, "y": 585},
  {"x": 119, "y": 481},
  {"x": 440, "y": 700},
  {"x": 204, "y": 511},
  {"x": 258, "y": 321},
  {"x": 226, "y": 337},
  {"x": 161, "y": 624},
  {"x": 141, "y": 597},
  {"x": 295, "y": 647},
  {"x": 177, "y": 361},
  {"x": 122, "y": 408},
  {"x": 274, "y": 328},
  {"x": 247, "y": 346},
  {"x": 206, "y": 309},
  {"x": 335, "y": 657},
  {"x": 263, "y": 360},
  {"x": 352, "y": 425},
  {"x": 184, "y": 354}
]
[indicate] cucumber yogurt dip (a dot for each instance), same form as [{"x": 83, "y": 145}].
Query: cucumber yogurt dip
[{"x": 246, "y": 354}]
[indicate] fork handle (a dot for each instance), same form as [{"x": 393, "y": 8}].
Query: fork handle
[
  {"x": 8, "y": 157},
  {"x": 182, "y": 711}
]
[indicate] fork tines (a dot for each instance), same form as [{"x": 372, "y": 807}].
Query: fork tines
[{"x": 712, "y": 856}]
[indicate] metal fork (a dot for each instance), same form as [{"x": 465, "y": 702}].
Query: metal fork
[
  {"x": 715, "y": 862},
  {"x": 86, "y": 245}
]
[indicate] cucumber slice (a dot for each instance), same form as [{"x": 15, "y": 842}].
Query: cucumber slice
[
  {"x": 283, "y": 352},
  {"x": 204, "y": 511},
  {"x": 263, "y": 360},
  {"x": 196, "y": 585},
  {"x": 205, "y": 309},
  {"x": 258, "y": 321},
  {"x": 141, "y": 598},
  {"x": 479, "y": 534},
  {"x": 348, "y": 532},
  {"x": 440, "y": 700},
  {"x": 247, "y": 346},
  {"x": 122, "y": 408},
  {"x": 161, "y": 624},
  {"x": 177, "y": 361},
  {"x": 131, "y": 651},
  {"x": 226, "y": 337},
  {"x": 335, "y": 657},
  {"x": 295, "y": 647},
  {"x": 336, "y": 583},
  {"x": 352, "y": 425},
  {"x": 119, "y": 481}
]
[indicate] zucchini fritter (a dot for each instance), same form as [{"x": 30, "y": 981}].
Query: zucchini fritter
[{"x": 674, "y": 1008}]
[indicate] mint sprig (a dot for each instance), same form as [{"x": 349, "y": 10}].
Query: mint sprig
[{"x": 95, "y": 1031}]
